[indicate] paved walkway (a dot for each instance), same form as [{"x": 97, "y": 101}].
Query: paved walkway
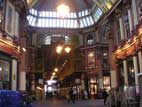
[{"x": 63, "y": 103}]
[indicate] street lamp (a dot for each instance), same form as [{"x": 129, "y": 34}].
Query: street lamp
[{"x": 59, "y": 49}]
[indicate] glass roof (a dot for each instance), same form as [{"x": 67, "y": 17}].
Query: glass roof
[{"x": 74, "y": 20}]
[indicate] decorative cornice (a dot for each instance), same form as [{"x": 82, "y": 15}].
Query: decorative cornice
[
  {"x": 130, "y": 46},
  {"x": 9, "y": 47}
]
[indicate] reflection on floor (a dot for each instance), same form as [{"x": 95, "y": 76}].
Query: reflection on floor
[{"x": 63, "y": 103}]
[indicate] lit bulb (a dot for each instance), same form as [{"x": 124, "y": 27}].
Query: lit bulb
[
  {"x": 56, "y": 69},
  {"x": 91, "y": 55},
  {"x": 67, "y": 49},
  {"x": 63, "y": 10},
  {"x": 59, "y": 49},
  {"x": 53, "y": 73}
]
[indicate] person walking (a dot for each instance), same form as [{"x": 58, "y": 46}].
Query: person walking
[
  {"x": 70, "y": 96},
  {"x": 74, "y": 95},
  {"x": 105, "y": 95}
]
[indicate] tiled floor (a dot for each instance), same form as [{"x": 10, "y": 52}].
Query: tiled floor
[{"x": 63, "y": 103}]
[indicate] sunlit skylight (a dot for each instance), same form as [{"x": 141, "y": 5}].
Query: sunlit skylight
[{"x": 80, "y": 19}]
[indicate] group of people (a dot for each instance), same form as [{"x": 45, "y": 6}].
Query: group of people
[
  {"x": 111, "y": 99},
  {"x": 72, "y": 95}
]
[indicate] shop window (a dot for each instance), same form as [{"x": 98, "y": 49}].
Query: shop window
[
  {"x": 131, "y": 72},
  {"x": 4, "y": 74},
  {"x": 93, "y": 86},
  {"x": 107, "y": 82},
  {"x": 121, "y": 74}
]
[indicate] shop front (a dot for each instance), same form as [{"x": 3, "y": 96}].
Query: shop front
[
  {"x": 128, "y": 57},
  {"x": 9, "y": 57}
]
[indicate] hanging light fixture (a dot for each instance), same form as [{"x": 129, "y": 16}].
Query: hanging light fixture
[
  {"x": 63, "y": 10},
  {"x": 59, "y": 49},
  {"x": 67, "y": 49}
]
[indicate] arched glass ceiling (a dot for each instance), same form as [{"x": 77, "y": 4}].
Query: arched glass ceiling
[{"x": 81, "y": 19}]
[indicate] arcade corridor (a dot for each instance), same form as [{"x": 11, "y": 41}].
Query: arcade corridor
[{"x": 74, "y": 49}]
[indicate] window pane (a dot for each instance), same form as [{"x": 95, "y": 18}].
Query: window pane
[
  {"x": 50, "y": 14},
  {"x": 86, "y": 12},
  {"x": 65, "y": 23},
  {"x": 58, "y": 23},
  {"x": 47, "y": 23},
  {"x": 83, "y": 13},
  {"x": 88, "y": 21},
  {"x": 71, "y": 23},
  {"x": 61, "y": 23},
  {"x": 30, "y": 20},
  {"x": 54, "y": 14},
  {"x": 54, "y": 23},
  {"x": 28, "y": 17},
  {"x": 42, "y": 22},
  {"x": 68, "y": 24},
  {"x": 91, "y": 20},
  {"x": 35, "y": 13},
  {"x": 68, "y": 15},
  {"x": 50, "y": 21},
  {"x": 85, "y": 23},
  {"x": 97, "y": 14},
  {"x": 79, "y": 14},
  {"x": 39, "y": 23},
  {"x": 33, "y": 21},
  {"x": 32, "y": 11},
  {"x": 47, "y": 14},
  {"x": 75, "y": 24},
  {"x": 81, "y": 23}
]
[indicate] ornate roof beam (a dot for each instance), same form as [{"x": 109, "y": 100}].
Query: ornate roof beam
[
  {"x": 87, "y": 3},
  {"x": 31, "y": 3},
  {"x": 99, "y": 5}
]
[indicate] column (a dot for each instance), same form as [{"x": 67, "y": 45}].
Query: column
[
  {"x": 140, "y": 60},
  {"x": 101, "y": 84},
  {"x": 135, "y": 12},
  {"x": 135, "y": 62},
  {"x": 113, "y": 79},
  {"x": 22, "y": 85},
  {"x": 23, "y": 68},
  {"x": 121, "y": 29},
  {"x": 34, "y": 39},
  {"x": 14, "y": 74},
  {"x": 125, "y": 72},
  {"x": 135, "y": 69},
  {"x": 130, "y": 20}
]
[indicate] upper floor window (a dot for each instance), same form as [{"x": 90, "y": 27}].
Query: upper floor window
[
  {"x": 126, "y": 24},
  {"x": 140, "y": 9},
  {"x": 90, "y": 40},
  {"x": 91, "y": 59},
  {"x": 118, "y": 31}
]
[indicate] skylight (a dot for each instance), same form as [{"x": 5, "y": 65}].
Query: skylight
[{"x": 80, "y": 19}]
